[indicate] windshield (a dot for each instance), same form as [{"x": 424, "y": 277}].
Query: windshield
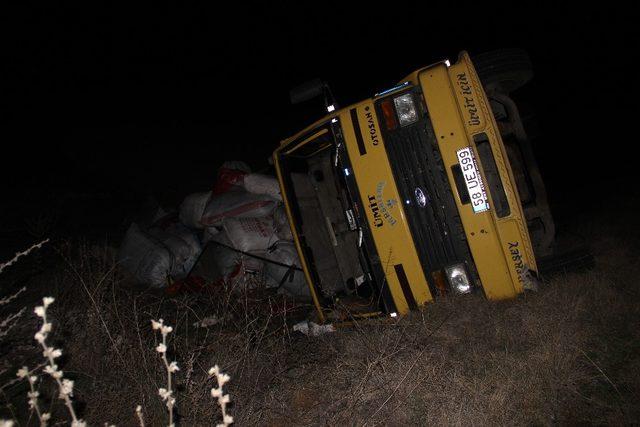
[{"x": 314, "y": 168}]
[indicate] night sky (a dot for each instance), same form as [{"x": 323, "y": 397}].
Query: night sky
[{"x": 151, "y": 99}]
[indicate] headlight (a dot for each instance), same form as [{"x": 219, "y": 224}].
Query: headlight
[
  {"x": 458, "y": 278},
  {"x": 406, "y": 109}
]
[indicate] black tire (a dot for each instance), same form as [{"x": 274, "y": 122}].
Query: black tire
[{"x": 503, "y": 69}]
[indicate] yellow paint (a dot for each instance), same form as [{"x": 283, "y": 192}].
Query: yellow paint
[
  {"x": 311, "y": 138},
  {"x": 449, "y": 102},
  {"x": 392, "y": 239}
]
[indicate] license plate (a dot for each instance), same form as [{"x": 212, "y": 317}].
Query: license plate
[{"x": 473, "y": 180}]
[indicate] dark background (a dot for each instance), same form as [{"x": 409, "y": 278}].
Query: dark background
[{"x": 104, "y": 106}]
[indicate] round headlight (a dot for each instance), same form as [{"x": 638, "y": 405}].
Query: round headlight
[{"x": 458, "y": 278}]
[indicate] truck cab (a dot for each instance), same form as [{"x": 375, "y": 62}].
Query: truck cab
[{"x": 407, "y": 196}]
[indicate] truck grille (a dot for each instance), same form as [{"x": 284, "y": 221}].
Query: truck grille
[{"x": 426, "y": 196}]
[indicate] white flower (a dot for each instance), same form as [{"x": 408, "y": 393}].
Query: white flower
[
  {"x": 67, "y": 388},
  {"x": 6, "y": 423},
  {"x": 39, "y": 311},
  {"x": 173, "y": 367},
  {"x": 165, "y": 330},
  {"x": 51, "y": 352},
  {"x": 53, "y": 371},
  {"x": 218, "y": 393},
  {"x": 45, "y": 328},
  {"x": 32, "y": 379},
  {"x": 164, "y": 393},
  {"x": 78, "y": 423},
  {"x": 40, "y": 337},
  {"x": 226, "y": 421},
  {"x": 46, "y": 416},
  {"x": 161, "y": 348},
  {"x": 23, "y": 372},
  {"x": 48, "y": 301},
  {"x": 223, "y": 379},
  {"x": 156, "y": 324},
  {"x": 50, "y": 369},
  {"x": 33, "y": 398}
]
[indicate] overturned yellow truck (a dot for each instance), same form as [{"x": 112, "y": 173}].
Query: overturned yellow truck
[{"x": 410, "y": 195}]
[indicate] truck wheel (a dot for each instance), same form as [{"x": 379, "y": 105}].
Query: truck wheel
[{"x": 503, "y": 69}]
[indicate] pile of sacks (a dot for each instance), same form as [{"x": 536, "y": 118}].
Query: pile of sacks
[{"x": 242, "y": 220}]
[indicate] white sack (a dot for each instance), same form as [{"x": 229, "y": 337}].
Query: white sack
[
  {"x": 250, "y": 234},
  {"x": 236, "y": 204},
  {"x": 154, "y": 255},
  {"x": 238, "y": 165},
  {"x": 192, "y": 208},
  {"x": 296, "y": 285},
  {"x": 234, "y": 266},
  {"x": 281, "y": 224},
  {"x": 262, "y": 184},
  {"x": 208, "y": 234}
]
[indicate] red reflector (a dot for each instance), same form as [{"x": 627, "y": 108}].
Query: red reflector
[{"x": 389, "y": 114}]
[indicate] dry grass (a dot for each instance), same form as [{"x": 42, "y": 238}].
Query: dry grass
[
  {"x": 568, "y": 354},
  {"x": 540, "y": 360}
]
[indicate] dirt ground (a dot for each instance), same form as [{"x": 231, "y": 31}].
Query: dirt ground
[{"x": 568, "y": 354}]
